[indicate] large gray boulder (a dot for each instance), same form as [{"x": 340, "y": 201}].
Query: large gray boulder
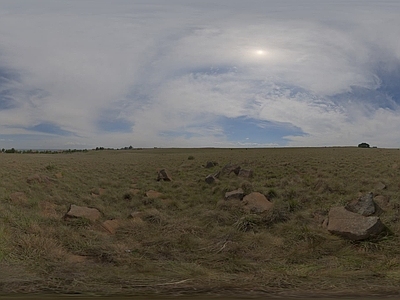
[
  {"x": 353, "y": 226},
  {"x": 364, "y": 205}
]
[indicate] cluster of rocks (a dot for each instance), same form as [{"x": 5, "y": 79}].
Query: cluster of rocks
[
  {"x": 227, "y": 170},
  {"x": 357, "y": 220},
  {"x": 93, "y": 215}
]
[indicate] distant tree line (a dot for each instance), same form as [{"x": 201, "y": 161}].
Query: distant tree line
[{"x": 13, "y": 150}]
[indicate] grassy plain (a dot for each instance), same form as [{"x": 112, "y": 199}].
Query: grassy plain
[{"x": 190, "y": 240}]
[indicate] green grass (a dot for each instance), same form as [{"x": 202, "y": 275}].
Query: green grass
[{"x": 190, "y": 238}]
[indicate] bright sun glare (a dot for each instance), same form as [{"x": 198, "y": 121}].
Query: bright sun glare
[{"x": 260, "y": 52}]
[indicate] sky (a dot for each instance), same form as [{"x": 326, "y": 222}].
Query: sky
[{"x": 80, "y": 74}]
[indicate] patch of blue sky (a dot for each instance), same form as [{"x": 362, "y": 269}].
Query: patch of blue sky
[
  {"x": 248, "y": 130},
  {"x": 115, "y": 125},
  {"x": 49, "y": 128},
  {"x": 6, "y": 100},
  {"x": 379, "y": 98},
  {"x": 7, "y": 75},
  {"x": 110, "y": 120},
  {"x": 389, "y": 77}
]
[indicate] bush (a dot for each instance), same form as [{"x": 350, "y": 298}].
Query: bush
[{"x": 363, "y": 145}]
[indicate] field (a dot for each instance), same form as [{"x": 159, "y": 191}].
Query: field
[{"x": 188, "y": 239}]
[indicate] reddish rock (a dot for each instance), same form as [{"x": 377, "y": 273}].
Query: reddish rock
[
  {"x": 111, "y": 225},
  {"x": 98, "y": 192},
  {"x": 353, "y": 226},
  {"x": 76, "y": 211},
  {"x": 256, "y": 203}
]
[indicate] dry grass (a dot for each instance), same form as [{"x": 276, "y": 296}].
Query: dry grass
[{"x": 190, "y": 238}]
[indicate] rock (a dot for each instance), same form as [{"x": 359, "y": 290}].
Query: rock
[
  {"x": 325, "y": 223},
  {"x": 236, "y": 194},
  {"x": 211, "y": 164},
  {"x": 245, "y": 173},
  {"x": 382, "y": 201},
  {"x": 136, "y": 215},
  {"x": 76, "y": 211},
  {"x": 19, "y": 198},
  {"x": 364, "y": 205},
  {"x": 111, "y": 225},
  {"x": 353, "y": 226},
  {"x": 380, "y": 186},
  {"x": 153, "y": 194},
  {"x": 212, "y": 177},
  {"x": 256, "y": 203},
  {"x": 98, "y": 192},
  {"x": 163, "y": 175},
  {"x": 229, "y": 168}
]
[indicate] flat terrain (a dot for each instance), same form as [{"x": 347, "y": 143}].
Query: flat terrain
[{"x": 188, "y": 239}]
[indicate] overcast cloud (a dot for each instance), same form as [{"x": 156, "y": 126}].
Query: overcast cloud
[{"x": 192, "y": 73}]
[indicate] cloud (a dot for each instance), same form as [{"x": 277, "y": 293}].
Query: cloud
[{"x": 199, "y": 73}]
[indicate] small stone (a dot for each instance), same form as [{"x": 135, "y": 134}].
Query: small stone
[
  {"x": 111, "y": 225},
  {"x": 76, "y": 211},
  {"x": 163, "y": 175},
  {"x": 153, "y": 194},
  {"x": 230, "y": 168},
  {"x": 245, "y": 173},
  {"x": 236, "y": 194},
  {"x": 211, "y": 164},
  {"x": 380, "y": 186}
]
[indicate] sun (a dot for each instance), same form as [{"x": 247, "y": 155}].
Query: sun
[{"x": 261, "y": 52}]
